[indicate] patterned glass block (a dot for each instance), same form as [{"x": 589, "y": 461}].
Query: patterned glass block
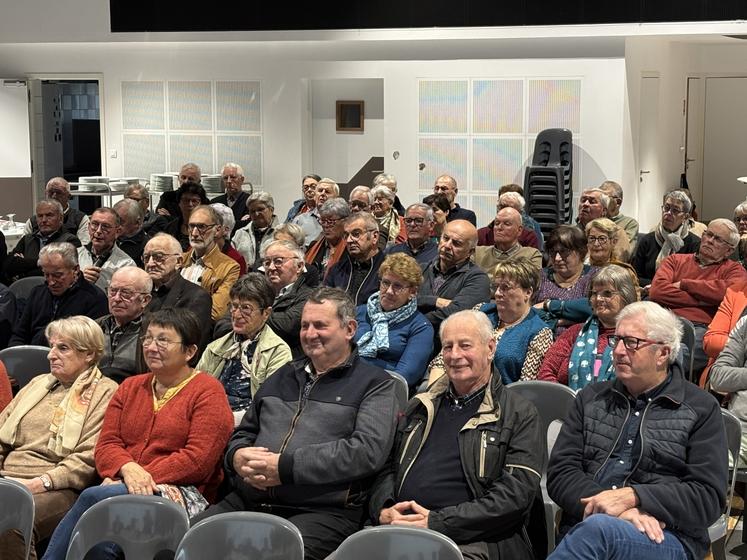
[
  {"x": 143, "y": 154},
  {"x": 191, "y": 147},
  {"x": 554, "y": 104},
  {"x": 497, "y": 106},
  {"x": 443, "y": 106},
  {"x": 238, "y": 107},
  {"x": 190, "y": 106},
  {"x": 484, "y": 207},
  {"x": 143, "y": 106},
  {"x": 244, "y": 150},
  {"x": 495, "y": 162},
  {"x": 442, "y": 156}
]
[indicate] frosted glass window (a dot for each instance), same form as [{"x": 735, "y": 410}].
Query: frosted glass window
[
  {"x": 191, "y": 147},
  {"x": 144, "y": 154},
  {"x": 495, "y": 162},
  {"x": 554, "y": 104},
  {"x": 142, "y": 105},
  {"x": 443, "y": 106},
  {"x": 190, "y": 106},
  {"x": 238, "y": 106},
  {"x": 442, "y": 156},
  {"x": 244, "y": 150},
  {"x": 484, "y": 207},
  {"x": 497, "y": 106}
]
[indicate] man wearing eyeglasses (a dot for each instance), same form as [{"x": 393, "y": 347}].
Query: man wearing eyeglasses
[
  {"x": 507, "y": 228},
  {"x": 152, "y": 221},
  {"x": 694, "y": 285},
  {"x": 75, "y": 221},
  {"x": 234, "y": 197},
  {"x": 310, "y": 222},
  {"x": 614, "y": 191},
  {"x": 419, "y": 245},
  {"x": 129, "y": 295},
  {"x": 640, "y": 465},
  {"x": 101, "y": 257},
  {"x": 205, "y": 264},
  {"x": 447, "y": 186},
  {"x": 594, "y": 203}
]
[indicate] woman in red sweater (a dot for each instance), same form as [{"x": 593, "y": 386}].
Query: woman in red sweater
[{"x": 164, "y": 432}]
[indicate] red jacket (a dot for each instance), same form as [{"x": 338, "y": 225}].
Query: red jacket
[
  {"x": 181, "y": 444},
  {"x": 729, "y": 312},
  {"x": 6, "y": 392},
  {"x": 555, "y": 363}
]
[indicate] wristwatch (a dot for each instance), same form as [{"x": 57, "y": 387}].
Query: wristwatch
[{"x": 46, "y": 482}]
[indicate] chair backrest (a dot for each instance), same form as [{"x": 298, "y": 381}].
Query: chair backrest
[
  {"x": 403, "y": 389},
  {"x": 25, "y": 362},
  {"x": 553, "y": 400},
  {"x": 16, "y": 509},
  {"x": 733, "y": 428},
  {"x": 22, "y": 288},
  {"x": 239, "y": 535},
  {"x": 688, "y": 339},
  {"x": 141, "y": 525},
  {"x": 390, "y": 542}
]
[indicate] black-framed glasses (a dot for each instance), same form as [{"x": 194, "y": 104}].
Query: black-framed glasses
[
  {"x": 357, "y": 233},
  {"x": 601, "y": 239},
  {"x": 202, "y": 228},
  {"x": 558, "y": 251},
  {"x": 329, "y": 221},
  {"x": 674, "y": 211},
  {"x": 414, "y": 221},
  {"x": 277, "y": 262},
  {"x": 124, "y": 293},
  {"x": 740, "y": 219},
  {"x": 158, "y": 258},
  {"x": 632, "y": 343},
  {"x": 162, "y": 343}
]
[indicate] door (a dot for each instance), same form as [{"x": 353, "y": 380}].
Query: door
[
  {"x": 15, "y": 160},
  {"x": 649, "y": 180},
  {"x": 693, "y": 162}
]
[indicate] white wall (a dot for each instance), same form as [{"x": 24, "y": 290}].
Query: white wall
[{"x": 14, "y": 116}]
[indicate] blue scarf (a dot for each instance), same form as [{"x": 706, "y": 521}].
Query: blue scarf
[
  {"x": 378, "y": 337},
  {"x": 581, "y": 364}
]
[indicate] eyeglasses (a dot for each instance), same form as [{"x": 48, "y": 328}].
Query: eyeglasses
[
  {"x": 329, "y": 221},
  {"x": 604, "y": 294},
  {"x": 276, "y": 262},
  {"x": 94, "y": 225},
  {"x": 631, "y": 343},
  {"x": 158, "y": 258},
  {"x": 552, "y": 253},
  {"x": 414, "y": 221},
  {"x": 396, "y": 287},
  {"x": 124, "y": 293},
  {"x": 358, "y": 204},
  {"x": 231, "y": 177},
  {"x": 503, "y": 287},
  {"x": 707, "y": 234},
  {"x": 667, "y": 209},
  {"x": 357, "y": 233},
  {"x": 244, "y": 309},
  {"x": 202, "y": 228},
  {"x": 161, "y": 343},
  {"x": 311, "y": 187},
  {"x": 740, "y": 219},
  {"x": 601, "y": 239},
  {"x": 257, "y": 210}
]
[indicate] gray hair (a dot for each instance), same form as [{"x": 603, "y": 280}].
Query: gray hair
[
  {"x": 176, "y": 247},
  {"x": 328, "y": 181},
  {"x": 336, "y": 207},
  {"x": 603, "y": 196},
  {"x": 67, "y": 251},
  {"x": 133, "y": 210},
  {"x": 293, "y": 230},
  {"x": 661, "y": 324},
  {"x": 140, "y": 189},
  {"x": 680, "y": 196},
  {"x": 728, "y": 224},
  {"x": 740, "y": 209},
  {"x": 618, "y": 277},
  {"x": 367, "y": 218},
  {"x": 61, "y": 181},
  {"x": 236, "y": 166},
  {"x": 421, "y": 206},
  {"x": 343, "y": 304},
  {"x": 255, "y": 287},
  {"x": 212, "y": 212},
  {"x": 512, "y": 200},
  {"x": 107, "y": 210},
  {"x": 191, "y": 165},
  {"x": 53, "y": 203},
  {"x": 263, "y": 197},
  {"x": 297, "y": 251},
  {"x": 83, "y": 333},
  {"x": 385, "y": 178},
  {"x": 226, "y": 215},
  {"x": 614, "y": 188},
  {"x": 141, "y": 277},
  {"x": 484, "y": 327},
  {"x": 383, "y": 191},
  {"x": 362, "y": 189}
]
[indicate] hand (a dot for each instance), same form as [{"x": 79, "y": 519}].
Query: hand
[
  {"x": 246, "y": 218},
  {"x": 109, "y": 481},
  {"x": 676, "y": 285},
  {"x": 163, "y": 212},
  {"x": 442, "y": 302},
  {"x": 540, "y": 305},
  {"x": 35, "y": 485},
  {"x": 419, "y": 511},
  {"x": 611, "y": 502},
  {"x": 137, "y": 479},
  {"x": 265, "y": 467},
  {"x": 645, "y": 523},
  {"x": 19, "y": 255},
  {"x": 399, "y": 514},
  {"x": 92, "y": 273}
]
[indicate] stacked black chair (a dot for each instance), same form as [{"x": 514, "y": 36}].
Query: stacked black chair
[{"x": 547, "y": 181}]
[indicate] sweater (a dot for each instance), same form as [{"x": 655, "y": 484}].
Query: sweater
[
  {"x": 647, "y": 249},
  {"x": 6, "y": 391},
  {"x": 181, "y": 444},
  {"x": 701, "y": 287},
  {"x": 555, "y": 365}
]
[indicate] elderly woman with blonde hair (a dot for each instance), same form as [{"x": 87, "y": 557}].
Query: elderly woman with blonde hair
[
  {"x": 49, "y": 430},
  {"x": 607, "y": 242}
]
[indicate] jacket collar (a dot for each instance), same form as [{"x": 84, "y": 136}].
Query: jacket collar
[{"x": 674, "y": 390}]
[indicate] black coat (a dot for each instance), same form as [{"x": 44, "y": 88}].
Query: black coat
[
  {"x": 239, "y": 207},
  {"x": 646, "y": 251},
  {"x": 29, "y": 246}
]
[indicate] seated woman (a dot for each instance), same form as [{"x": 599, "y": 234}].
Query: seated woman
[
  {"x": 391, "y": 224},
  {"x": 164, "y": 432},
  {"x": 582, "y": 355},
  {"x": 607, "y": 242},
  {"x": 730, "y": 311},
  {"x": 48, "y": 432},
  {"x": 245, "y": 357},
  {"x": 562, "y": 295},
  {"x": 522, "y": 337},
  {"x": 440, "y": 206},
  {"x": 392, "y": 333}
]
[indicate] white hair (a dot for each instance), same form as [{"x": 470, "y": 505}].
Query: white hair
[
  {"x": 226, "y": 215},
  {"x": 661, "y": 324},
  {"x": 482, "y": 323}
]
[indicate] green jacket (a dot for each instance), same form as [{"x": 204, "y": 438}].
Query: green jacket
[{"x": 271, "y": 353}]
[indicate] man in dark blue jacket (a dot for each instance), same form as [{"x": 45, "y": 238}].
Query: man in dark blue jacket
[{"x": 640, "y": 466}]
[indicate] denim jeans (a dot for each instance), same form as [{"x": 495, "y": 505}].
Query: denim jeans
[
  {"x": 60, "y": 540},
  {"x": 602, "y": 536}
]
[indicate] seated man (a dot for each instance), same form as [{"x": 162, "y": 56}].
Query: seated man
[
  {"x": 307, "y": 202},
  {"x": 314, "y": 468},
  {"x": 449, "y": 478},
  {"x": 640, "y": 465},
  {"x": 152, "y": 221},
  {"x": 101, "y": 257},
  {"x": 594, "y": 203},
  {"x": 65, "y": 293},
  {"x": 233, "y": 195},
  {"x": 168, "y": 202},
  {"x": 531, "y": 233},
  {"x": 452, "y": 282},
  {"x": 693, "y": 285},
  {"x": 310, "y": 222},
  {"x": 74, "y": 222},
  {"x": 360, "y": 199},
  {"x": 129, "y": 295},
  {"x": 447, "y": 186},
  {"x": 204, "y": 264},
  {"x": 419, "y": 224},
  {"x": 8, "y": 316},
  {"x": 506, "y": 230},
  {"x": 330, "y": 246},
  {"x": 132, "y": 238},
  {"x": 23, "y": 260},
  {"x": 615, "y": 193}
]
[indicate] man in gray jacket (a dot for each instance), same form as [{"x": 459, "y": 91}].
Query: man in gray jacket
[{"x": 318, "y": 430}]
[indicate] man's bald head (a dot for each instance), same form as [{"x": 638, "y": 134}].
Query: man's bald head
[
  {"x": 58, "y": 189},
  {"x": 506, "y": 228},
  {"x": 457, "y": 243}
]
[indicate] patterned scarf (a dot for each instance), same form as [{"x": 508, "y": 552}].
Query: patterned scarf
[
  {"x": 670, "y": 242},
  {"x": 377, "y": 338},
  {"x": 390, "y": 224},
  {"x": 583, "y": 356}
]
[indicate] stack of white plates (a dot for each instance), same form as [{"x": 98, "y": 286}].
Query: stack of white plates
[
  {"x": 91, "y": 184},
  {"x": 129, "y": 180},
  {"x": 118, "y": 186},
  {"x": 212, "y": 183},
  {"x": 161, "y": 182}
]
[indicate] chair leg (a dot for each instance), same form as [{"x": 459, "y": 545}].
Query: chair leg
[{"x": 718, "y": 549}]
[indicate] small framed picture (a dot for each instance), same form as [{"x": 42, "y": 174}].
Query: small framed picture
[{"x": 349, "y": 116}]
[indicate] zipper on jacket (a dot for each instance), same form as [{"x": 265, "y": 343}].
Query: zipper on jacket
[
  {"x": 409, "y": 466},
  {"x": 617, "y": 439},
  {"x": 408, "y": 441},
  {"x": 483, "y": 452},
  {"x": 301, "y": 404},
  {"x": 640, "y": 434}
]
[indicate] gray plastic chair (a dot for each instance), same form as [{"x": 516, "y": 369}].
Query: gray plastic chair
[
  {"x": 22, "y": 288},
  {"x": 23, "y": 363},
  {"x": 239, "y": 535},
  {"x": 553, "y": 402},
  {"x": 719, "y": 530},
  {"x": 390, "y": 542},
  {"x": 16, "y": 510},
  {"x": 140, "y": 525},
  {"x": 688, "y": 339},
  {"x": 403, "y": 389}
]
